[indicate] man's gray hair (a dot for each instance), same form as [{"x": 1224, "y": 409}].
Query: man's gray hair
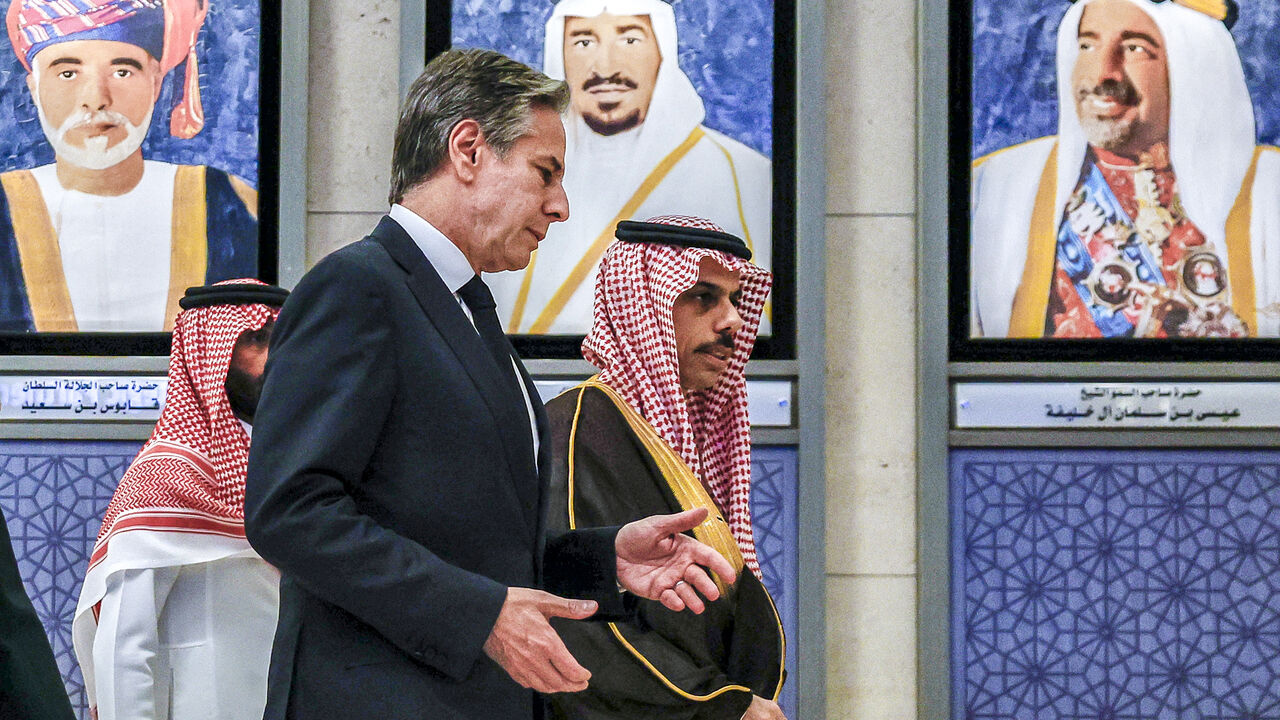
[{"x": 482, "y": 85}]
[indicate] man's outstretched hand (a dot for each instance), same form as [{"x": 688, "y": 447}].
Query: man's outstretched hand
[
  {"x": 656, "y": 561},
  {"x": 528, "y": 648}
]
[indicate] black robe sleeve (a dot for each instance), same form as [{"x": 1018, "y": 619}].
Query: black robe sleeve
[{"x": 30, "y": 685}]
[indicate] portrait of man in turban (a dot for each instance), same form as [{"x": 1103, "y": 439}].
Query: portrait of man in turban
[
  {"x": 129, "y": 159},
  {"x": 1125, "y": 140}
]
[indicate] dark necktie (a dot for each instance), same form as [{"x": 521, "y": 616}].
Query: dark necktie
[{"x": 484, "y": 314}]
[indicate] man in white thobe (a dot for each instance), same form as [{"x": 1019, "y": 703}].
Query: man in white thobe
[
  {"x": 101, "y": 239},
  {"x": 177, "y": 612}
]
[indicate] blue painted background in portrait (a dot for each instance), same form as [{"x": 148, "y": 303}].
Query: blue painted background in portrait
[
  {"x": 1015, "y": 73},
  {"x": 726, "y": 49},
  {"x": 227, "y": 53}
]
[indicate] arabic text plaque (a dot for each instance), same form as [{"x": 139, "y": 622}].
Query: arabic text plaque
[
  {"x": 81, "y": 398},
  {"x": 1093, "y": 405}
]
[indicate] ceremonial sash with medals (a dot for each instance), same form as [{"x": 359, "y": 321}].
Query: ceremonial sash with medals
[{"x": 1119, "y": 275}]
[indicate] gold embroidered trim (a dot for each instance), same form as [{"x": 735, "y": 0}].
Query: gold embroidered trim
[
  {"x": 1216, "y": 9},
  {"x": 1239, "y": 252},
  {"x": 663, "y": 678},
  {"x": 189, "y": 251},
  {"x": 40, "y": 254},
  {"x": 246, "y": 193},
  {"x": 737, "y": 194},
  {"x": 688, "y": 490},
  {"x": 1031, "y": 300}
]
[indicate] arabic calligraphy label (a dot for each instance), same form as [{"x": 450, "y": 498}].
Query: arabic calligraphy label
[
  {"x": 81, "y": 398},
  {"x": 1117, "y": 405}
]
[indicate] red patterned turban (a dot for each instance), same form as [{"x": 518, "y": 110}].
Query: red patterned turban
[{"x": 165, "y": 28}]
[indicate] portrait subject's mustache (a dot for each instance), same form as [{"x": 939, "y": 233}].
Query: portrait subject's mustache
[
  {"x": 1121, "y": 91},
  {"x": 94, "y": 151},
  {"x": 614, "y": 79},
  {"x": 95, "y": 117}
]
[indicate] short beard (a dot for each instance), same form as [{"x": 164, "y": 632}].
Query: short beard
[
  {"x": 1107, "y": 134},
  {"x": 94, "y": 155},
  {"x": 243, "y": 392},
  {"x": 612, "y": 127}
]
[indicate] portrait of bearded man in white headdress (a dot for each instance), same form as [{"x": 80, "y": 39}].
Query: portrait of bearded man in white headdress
[
  {"x": 636, "y": 146},
  {"x": 1156, "y": 143}
]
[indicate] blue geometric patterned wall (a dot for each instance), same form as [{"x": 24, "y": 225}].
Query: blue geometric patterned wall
[
  {"x": 775, "y": 524},
  {"x": 54, "y": 494},
  {"x": 1115, "y": 584}
]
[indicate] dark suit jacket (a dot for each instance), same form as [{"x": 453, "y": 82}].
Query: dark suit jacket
[
  {"x": 30, "y": 685},
  {"x": 392, "y": 481}
]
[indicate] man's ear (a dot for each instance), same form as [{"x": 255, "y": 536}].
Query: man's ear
[{"x": 465, "y": 143}]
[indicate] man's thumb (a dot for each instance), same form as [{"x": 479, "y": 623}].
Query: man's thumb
[
  {"x": 556, "y": 606},
  {"x": 681, "y": 521}
]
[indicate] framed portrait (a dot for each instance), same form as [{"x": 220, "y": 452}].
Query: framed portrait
[
  {"x": 132, "y": 165},
  {"x": 1114, "y": 180},
  {"x": 679, "y": 107}
]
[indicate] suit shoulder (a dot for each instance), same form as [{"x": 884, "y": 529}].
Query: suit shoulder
[
  {"x": 352, "y": 269},
  {"x": 363, "y": 253}
]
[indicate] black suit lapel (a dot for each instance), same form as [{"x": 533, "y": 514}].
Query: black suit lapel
[
  {"x": 529, "y": 481},
  {"x": 544, "y": 448},
  {"x": 444, "y": 312}
]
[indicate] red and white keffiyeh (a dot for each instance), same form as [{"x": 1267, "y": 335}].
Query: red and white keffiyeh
[
  {"x": 632, "y": 341},
  {"x": 181, "y": 501}
]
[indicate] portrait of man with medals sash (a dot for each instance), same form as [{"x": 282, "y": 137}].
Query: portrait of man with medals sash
[{"x": 1154, "y": 212}]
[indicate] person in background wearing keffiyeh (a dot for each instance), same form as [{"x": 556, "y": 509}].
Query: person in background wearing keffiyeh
[
  {"x": 103, "y": 239},
  {"x": 177, "y": 611},
  {"x": 664, "y": 428}
]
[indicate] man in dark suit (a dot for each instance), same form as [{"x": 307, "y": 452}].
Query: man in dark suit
[{"x": 398, "y": 472}]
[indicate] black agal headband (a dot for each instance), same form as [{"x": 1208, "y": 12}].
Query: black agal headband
[
  {"x": 233, "y": 294},
  {"x": 1225, "y": 10},
  {"x": 647, "y": 232}
]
